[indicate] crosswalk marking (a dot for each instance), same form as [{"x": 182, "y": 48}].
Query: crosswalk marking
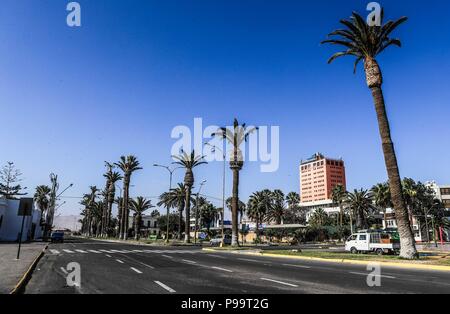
[
  {"x": 68, "y": 251},
  {"x": 54, "y": 251},
  {"x": 81, "y": 251}
]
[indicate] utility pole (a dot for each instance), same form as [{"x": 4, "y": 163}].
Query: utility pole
[
  {"x": 171, "y": 171},
  {"x": 214, "y": 148},
  {"x": 196, "y": 211}
]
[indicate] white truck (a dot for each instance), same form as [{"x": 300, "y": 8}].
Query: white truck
[{"x": 372, "y": 241}]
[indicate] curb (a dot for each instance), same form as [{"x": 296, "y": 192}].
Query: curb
[
  {"x": 22, "y": 282},
  {"x": 345, "y": 261}
]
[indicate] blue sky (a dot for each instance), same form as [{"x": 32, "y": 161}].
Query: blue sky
[{"x": 72, "y": 98}]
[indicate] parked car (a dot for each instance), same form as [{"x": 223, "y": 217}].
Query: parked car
[
  {"x": 57, "y": 237},
  {"x": 218, "y": 240},
  {"x": 372, "y": 241}
]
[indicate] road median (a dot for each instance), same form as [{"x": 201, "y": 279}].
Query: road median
[{"x": 437, "y": 263}]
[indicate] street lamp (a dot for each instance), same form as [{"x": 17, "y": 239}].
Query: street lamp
[
  {"x": 224, "y": 155},
  {"x": 171, "y": 171},
  {"x": 196, "y": 210}
]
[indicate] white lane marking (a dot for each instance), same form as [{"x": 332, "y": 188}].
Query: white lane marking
[
  {"x": 188, "y": 261},
  {"x": 222, "y": 269},
  {"x": 108, "y": 255},
  {"x": 81, "y": 251},
  {"x": 167, "y": 256},
  {"x": 105, "y": 251},
  {"x": 216, "y": 256},
  {"x": 280, "y": 282},
  {"x": 138, "y": 251},
  {"x": 165, "y": 287},
  {"x": 96, "y": 252},
  {"x": 298, "y": 266},
  {"x": 69, "y": 251},
  {"x": 251, "y": 260},
  {"x": 136, "y": 270},
  {"x": 381, "y": 276},
  {"x": 118, "y": 260},
  {"x": 54, "y": 251}
]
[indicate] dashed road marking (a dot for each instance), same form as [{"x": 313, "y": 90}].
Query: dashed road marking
[
  {"x": 136, "y": 270},
  {"x": 68, "y": 251},
  {"x": 280, "y": 282},
  {"x": 165, "y": 287},
  {"x": 96, "y": 252},
  {"x": 367, "y": 274},
  {"x": 81, "y": 251},
  {"x": 119, "y": 261},
  {"x": 54, "y": 251},
  {"x": 222, "y": 269},
  {"x": 298, "y": 266},
  {"x": 188, "y": 261}
]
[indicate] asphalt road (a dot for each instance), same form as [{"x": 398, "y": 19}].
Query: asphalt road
[{"x": 109, "y": 268}]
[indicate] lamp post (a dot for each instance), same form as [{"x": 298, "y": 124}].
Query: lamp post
[
  {"x": 171, "y": 171},
  {"x": 223, "y": 189},
  {"x": 196, "y": 211}
]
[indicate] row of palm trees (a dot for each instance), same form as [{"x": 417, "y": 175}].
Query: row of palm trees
[
  {"x": 365, "y": 43},
  {"x": 419, "y": 199}
]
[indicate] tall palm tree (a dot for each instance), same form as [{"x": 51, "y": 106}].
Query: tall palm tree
[
  {"x": 189, "y": 162},
  {"x": 365, "y": 43},
  {"x": 128, "y": 165},
  {"x": 236, "y": 137},
  {"x": 382, "y": 198},
  {"x": 293, "y": 200},
  {"x": 259, "y": 205},
  {"x": 91, "y": 207},
  {"x": 119, "y": 202},
  {"x": 42, "y": 199},
  {"x": 139, "y": 206},
  {"x": 339, "y": 194},
  {"x": 360, "y": 203},
  {"x": 278, "y": 210},
  {"x": 319, "y": 218},
  {"x": 112, "y": 177},
  {"x": 176, "y": 198}
]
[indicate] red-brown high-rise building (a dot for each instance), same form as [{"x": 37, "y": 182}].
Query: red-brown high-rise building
[{"x": 318, "y": 176}]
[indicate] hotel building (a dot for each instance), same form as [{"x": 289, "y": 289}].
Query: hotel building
[{"x": 318, "y": 177}]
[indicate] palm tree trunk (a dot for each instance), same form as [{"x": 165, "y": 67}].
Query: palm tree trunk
[
  {"x": 125, "y": 214},
  {"x": 234, "y": 208},
  {"x": 408, "y": 246},
  {"x": 180, "y": 223},
  {"x": 187, "y": 236}
]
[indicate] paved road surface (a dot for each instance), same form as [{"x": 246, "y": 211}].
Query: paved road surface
[{"x": 122, "y": 268}]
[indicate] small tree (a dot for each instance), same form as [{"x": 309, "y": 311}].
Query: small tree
[{"x": 9, "y": 181}]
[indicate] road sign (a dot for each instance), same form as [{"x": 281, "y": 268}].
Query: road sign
[{"x": 25, "y": 207}]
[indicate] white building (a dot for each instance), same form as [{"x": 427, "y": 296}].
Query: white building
[
  {"x": 11, "y": 222},
  {"x": 442, "y": 192},
  {"x": 150, "y": 224}
]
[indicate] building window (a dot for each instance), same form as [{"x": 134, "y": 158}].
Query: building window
[{"x": 445, "y": 191}]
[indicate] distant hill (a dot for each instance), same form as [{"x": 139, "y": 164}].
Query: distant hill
[{"x": 67, "y": 222}]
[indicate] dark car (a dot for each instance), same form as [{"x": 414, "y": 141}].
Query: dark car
[
  {"x": 57, "y": 237},
  {"x": 217, "y": 241}
]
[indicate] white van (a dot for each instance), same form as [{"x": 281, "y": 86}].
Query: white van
[{"x": 372, "y": 241}]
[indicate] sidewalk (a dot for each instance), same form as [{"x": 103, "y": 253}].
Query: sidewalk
[{"x": 11, "y": 270}]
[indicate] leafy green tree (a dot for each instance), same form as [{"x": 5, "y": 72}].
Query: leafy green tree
[
  {"x": 259, "y": 205},
  {"x": 339, "y": 195},
  {"x": 365, "y": 43},
  {"x": 10, "y": 187},
  {"x": 139, "y": 206},
  {"x": 42, "y": 199},
  {"x": 382, "y": 197},
  {"x": 360, "y": 203}
]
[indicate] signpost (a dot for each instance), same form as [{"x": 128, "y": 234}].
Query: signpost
[{"x": 25, "y": 210}]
